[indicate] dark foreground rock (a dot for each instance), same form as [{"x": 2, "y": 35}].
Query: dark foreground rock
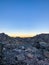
[
  {"x": 24, "y": 51},
  {"x": 27, "y": 56}
]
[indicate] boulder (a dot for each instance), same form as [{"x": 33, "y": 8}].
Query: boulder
[
  {"x": 20, "y": 57},
  {"x": 46, "y": 54},
  {"x": 30, "y": 56},
  {"x": 43, "y": 45}
]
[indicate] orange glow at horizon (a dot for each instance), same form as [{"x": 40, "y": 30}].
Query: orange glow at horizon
[{"x": 22, "y": 35}]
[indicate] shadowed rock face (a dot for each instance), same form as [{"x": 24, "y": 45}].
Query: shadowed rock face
[
  {"x": 25, "y": 51},
  {"x": 38, "y": 38},
  {"x": 1, "y": 52}
]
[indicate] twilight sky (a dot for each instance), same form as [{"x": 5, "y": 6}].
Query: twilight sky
[{"x": 24, "y": 16}]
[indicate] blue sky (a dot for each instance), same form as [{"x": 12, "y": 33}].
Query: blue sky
[{"x": 24, "y": 16}]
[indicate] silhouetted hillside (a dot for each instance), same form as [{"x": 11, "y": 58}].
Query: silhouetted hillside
[
  {"x": 6, "y": 39},
  {"x": 41, "y": 38},
  {"x": 38, "y": 38}
]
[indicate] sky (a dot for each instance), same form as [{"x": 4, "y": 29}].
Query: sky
[{"x": 24, "y": 17}]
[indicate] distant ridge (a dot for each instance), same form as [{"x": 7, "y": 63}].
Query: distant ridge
[{"x": 40, "y": 38}]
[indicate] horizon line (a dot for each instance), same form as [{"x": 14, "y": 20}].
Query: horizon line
[{"x": 23, "y": 35}]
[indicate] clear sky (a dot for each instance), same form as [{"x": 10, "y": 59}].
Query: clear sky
[{"x": 24, "y": 16}]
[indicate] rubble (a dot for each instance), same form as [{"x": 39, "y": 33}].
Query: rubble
[{"x": 24, "y": 53}]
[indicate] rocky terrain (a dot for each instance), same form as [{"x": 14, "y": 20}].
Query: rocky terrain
[{"x": 25, "y": 51}]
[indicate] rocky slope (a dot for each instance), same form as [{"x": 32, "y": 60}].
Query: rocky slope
[{"x": 25, "y": 51}]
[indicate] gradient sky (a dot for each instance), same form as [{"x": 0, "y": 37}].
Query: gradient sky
[{"x": 24, "y": 16}]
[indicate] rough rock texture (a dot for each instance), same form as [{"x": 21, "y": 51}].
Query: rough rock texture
[{"x": 25, "y": 51}]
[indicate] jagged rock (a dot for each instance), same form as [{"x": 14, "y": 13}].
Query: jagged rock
[
  {"x": 28, "y": 50},
  {"x": 20, "y": 57},
  {"x": 36, "y": 44},
  {"x": 18, "y": 51},
  {"x": 30, "y": 56},
  {"x": 46, "y": 54},
  {"x": 43, "y": 45},
  {"x": 45, "y": 62}
]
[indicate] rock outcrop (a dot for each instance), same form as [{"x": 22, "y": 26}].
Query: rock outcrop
[{"x": 25, "y": 51}]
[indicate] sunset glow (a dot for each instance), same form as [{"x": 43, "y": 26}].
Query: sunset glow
[
  {"x": 24, "y": 18},
  {"x": 22, "y": 35}
]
